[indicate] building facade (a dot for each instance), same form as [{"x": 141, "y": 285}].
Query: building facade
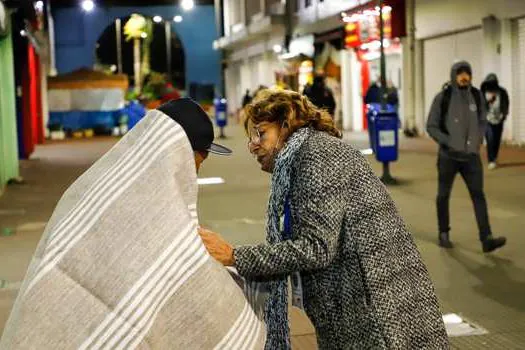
[
  {"x": 253, "y": 35},
  {"x": 426, "y": 38}
]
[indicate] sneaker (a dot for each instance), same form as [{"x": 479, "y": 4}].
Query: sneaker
[
  {"x": 444, "y": 240},
  {"x": 490, "y": 244},
  {"x": 492, "y": 165}
]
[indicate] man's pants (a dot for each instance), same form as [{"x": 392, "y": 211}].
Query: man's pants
[
  {"x": 493, "y": 135},
  {"x": 471, "y": 171}
]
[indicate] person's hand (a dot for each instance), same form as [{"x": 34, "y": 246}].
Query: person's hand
[{"x": 218, "y": 248}]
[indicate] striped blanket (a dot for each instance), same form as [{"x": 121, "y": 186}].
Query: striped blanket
[{"x": 121, "y": 266}]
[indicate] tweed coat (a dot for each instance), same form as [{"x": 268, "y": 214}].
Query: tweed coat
[{"x": 365, "y": 285}]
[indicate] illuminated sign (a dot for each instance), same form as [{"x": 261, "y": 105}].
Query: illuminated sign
[{"x": 364, "y": 27}]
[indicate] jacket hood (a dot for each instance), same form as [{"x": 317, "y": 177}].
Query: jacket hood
[
  {"x": 492, "y": 79},
  {"x": 490, "y": 83},
  {"x": 456, "y": 67}
]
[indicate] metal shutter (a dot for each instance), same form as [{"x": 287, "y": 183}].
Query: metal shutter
[{"x": 440, "y": 54}]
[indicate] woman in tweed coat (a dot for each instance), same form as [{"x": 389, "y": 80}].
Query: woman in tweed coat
[{"x": 364, "y": 284}]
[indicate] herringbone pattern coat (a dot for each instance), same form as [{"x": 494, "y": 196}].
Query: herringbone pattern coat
[{"x": 365, "y": 284}]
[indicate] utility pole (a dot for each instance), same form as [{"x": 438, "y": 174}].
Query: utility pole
[
  {"x": 387, "y": 177},
  {"x": 383, "y": 61},
  {"x": 118, "y": 33},
  {"x": 167, "y": 31}
]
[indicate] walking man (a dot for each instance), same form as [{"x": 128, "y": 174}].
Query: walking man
[
  {"x": 498, "y": 108},
  {"x": 457, "y": 122}
]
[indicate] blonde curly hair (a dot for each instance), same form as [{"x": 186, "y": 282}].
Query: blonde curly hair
[{"x": 271, "y": 105}]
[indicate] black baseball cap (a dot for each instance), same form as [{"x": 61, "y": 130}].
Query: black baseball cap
[{"x": 196, "y": 123}]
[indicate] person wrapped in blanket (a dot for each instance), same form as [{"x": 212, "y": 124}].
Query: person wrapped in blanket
[{"x": 120, "y": 264}]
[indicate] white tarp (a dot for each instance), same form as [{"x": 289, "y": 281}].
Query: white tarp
[{"x": 104, "y": 100}]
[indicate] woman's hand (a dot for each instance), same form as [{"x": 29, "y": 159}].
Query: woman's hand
[{"x": 218, "y": 248}]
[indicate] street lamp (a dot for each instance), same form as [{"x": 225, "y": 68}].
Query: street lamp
[
  {"x": 39, "y": 6},
  {"x": 177, "y": 19},
  {"x": 88, "y": 5},
  {"x": 157, "y": 19},
  {"x": 187, "y": 4}
]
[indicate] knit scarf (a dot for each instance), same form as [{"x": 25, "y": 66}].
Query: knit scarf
[{"x": 276, "y": 308}]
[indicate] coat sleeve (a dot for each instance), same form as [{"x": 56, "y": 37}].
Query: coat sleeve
[
  {"x": 318, "y": 206},
  {"x": 433, "y": 122}
]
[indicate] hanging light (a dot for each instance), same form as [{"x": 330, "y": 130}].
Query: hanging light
[
  {"x": 187, "y": 4},
  {"x": 177, "y": 19},
  {"x": 143, "y": 35},
  {"x": 157, "y": 19},
  {"x": 88, "y": 5}
]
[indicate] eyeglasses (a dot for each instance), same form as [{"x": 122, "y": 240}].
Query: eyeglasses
[{"x": 255, "y": 136}]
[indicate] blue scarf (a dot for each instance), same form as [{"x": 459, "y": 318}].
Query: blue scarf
[{"x": 276, "y": 307}]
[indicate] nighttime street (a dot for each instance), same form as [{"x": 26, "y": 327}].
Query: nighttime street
[{"x": 299, "y": 174}]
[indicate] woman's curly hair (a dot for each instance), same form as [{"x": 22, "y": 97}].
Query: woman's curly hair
[{"x": 272, "y": 105}]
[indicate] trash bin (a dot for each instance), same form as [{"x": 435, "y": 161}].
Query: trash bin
[
  {"x": 221, "y": 117},
  {"x": 383, "y": 132},
  {"x": 134, "y": 112},
  {"x": 221, "y": 114}
]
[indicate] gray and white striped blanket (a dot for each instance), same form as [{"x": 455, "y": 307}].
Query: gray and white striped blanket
[{"x": 121, "y": 266}]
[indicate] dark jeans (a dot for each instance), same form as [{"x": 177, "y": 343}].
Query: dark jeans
[
  {"x": 471, "y": 171},
  {"x": 493, "y": 135}
]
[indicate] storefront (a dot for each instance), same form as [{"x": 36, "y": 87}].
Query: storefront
[
  {"x": 361, "y": 62},
  {"x": 312, "y": 54},
  {"x": 297, "y": 64},
  {"x": 328, "y": 47}
]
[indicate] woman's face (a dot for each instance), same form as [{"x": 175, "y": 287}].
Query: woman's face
[{"x": 265, "y": 141}]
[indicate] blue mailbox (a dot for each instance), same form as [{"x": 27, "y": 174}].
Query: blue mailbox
[{"x": 383, "y": 127}]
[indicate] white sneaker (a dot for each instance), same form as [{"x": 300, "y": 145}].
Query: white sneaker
[{"x": 492, "y": 165}]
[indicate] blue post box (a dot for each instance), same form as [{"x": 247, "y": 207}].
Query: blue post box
[
  {"x": 221, "y": 112},
  {"x": 383, "y": 132},
  {"x": 383, "y": 125}
]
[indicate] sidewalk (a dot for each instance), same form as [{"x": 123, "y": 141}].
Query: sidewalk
[{"x": 485, "y": 289}]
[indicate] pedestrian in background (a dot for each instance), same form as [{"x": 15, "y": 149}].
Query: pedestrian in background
[
  {"x": 333, "y": 227},
  {"x": 320, "y": 95},
  {"x": 373, "y": 94},
  {"x": 497, "y": 100},
  {"x": 247, "y": 98},
  {"x": 457, "y": 122}
]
